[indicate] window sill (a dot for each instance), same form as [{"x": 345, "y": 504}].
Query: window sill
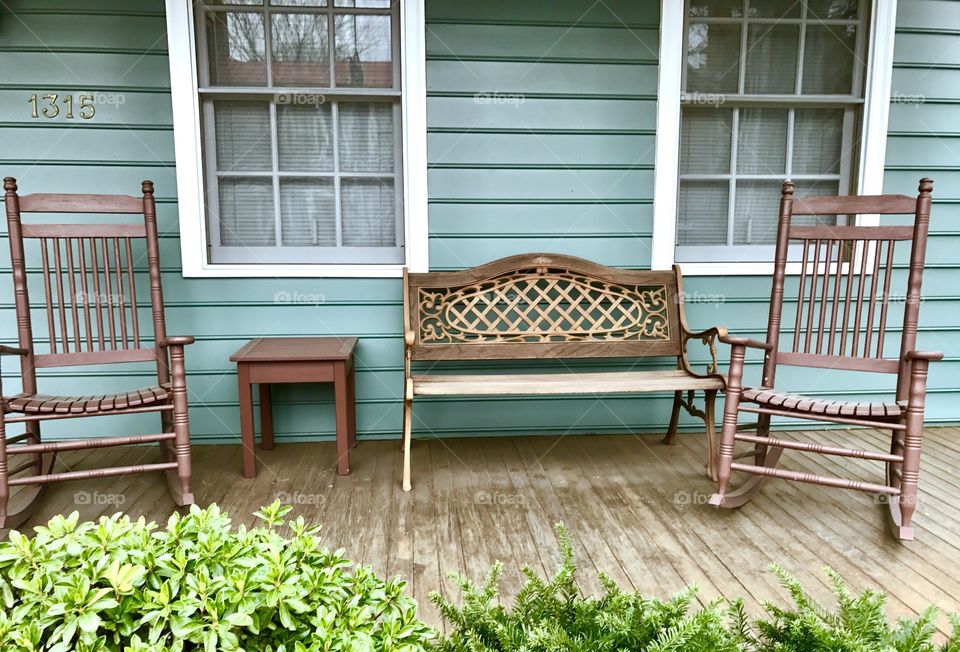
[
  {"x": 734, "y": 269},
  {"x": 293, "y": 271}
]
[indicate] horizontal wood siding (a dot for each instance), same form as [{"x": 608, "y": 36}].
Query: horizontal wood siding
[{"x": 541, "y": 134}]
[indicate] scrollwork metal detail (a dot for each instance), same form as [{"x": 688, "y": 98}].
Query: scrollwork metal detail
[{"x": 543, "y": 304}]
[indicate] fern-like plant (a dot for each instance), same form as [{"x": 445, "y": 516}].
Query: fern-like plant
[
  {"x": 549, "y": 615},
  {"x": 857, "y": 624}
]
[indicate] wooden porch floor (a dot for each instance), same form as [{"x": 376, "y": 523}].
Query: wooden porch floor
[{"x": 635, "y": 508}]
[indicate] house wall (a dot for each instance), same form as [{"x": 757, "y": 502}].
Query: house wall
[{"x": 541, "y": 132}]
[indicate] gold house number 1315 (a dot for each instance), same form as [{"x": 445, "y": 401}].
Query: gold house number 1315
[{"x": 48, "y": 106}]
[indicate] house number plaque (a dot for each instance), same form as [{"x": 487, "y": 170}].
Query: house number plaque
[{"x": 54, "y": 105}]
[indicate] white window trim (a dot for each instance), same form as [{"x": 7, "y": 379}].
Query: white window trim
[
  {"x": 667, "y": 158},
  {"x": 189, "y": 158}
]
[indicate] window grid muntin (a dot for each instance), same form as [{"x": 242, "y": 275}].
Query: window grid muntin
[
  {"x": 278, "y": 253},
  {"x": 736, "y": 101}
]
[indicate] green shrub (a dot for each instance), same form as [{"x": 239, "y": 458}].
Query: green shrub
[
  {"x": 551, "y": 616},
  {"x": 127, "y": 586},
  {"x": 858, "y": 624},
  {"x": 122, "y": 585}
]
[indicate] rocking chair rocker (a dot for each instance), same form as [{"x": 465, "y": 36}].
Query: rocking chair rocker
[
  {"x": 91, "y": 308},
  {"x": 840, "y": 323}
]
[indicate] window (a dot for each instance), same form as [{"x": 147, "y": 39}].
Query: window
[
  {"x": 771, "y": 90},
  {"x": 301, "y": 131},
  {"x": 766, "y": 91}
]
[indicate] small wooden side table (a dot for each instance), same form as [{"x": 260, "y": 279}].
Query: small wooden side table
[{"x": 265, "y": 361}]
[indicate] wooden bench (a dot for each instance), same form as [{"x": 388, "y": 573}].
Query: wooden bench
[{"x": 551, "y": 306}]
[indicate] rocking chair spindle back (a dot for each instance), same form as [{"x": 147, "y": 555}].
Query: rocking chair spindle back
[{"x": 90, "y": 301}]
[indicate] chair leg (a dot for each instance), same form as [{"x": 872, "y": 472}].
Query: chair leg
[
  {"x": 903, "y": 507},
  {"x": 730, "y": 409},
  {"x": 179, "y": 482},
  {"x": 407, "y": 428},
  {"x": 709, "y": 419},
  {"x": 674, "y": 418},
  {"x": 763, "y": 430},
  {"x": 4, "y": 477}
]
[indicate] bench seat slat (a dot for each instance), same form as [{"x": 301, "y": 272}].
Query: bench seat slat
[{"x": 561, "y": 383}]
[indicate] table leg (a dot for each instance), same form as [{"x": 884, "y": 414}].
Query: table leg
[
  {"x": 342, "y": 409},
  {"x": 246, "y": 420},
  {"x": 352, "y": 407},
  {"x": 266, "y": 417}
]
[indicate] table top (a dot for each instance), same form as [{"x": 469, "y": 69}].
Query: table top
[{"x": 280, "y": 349}]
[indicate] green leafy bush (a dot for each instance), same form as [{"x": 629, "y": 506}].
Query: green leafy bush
[
  {"x": 551, "y": 616},
  {"x": 122, "y": 585},
  {"x": 128, "y": 586},
  {"x": 859, "y": 623}
]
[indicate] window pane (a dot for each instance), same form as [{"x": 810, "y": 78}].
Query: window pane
[
  {"x": 817, "y": 141},
  {"x": 299, "y": 3},
  {"x": 762, "y": 141},
  {"x": 301, "y": 50},
  {"x": 775, "y": 9},
  {"x": 235, "y": 49},
  {"x": 308, "y": 213},
  {"x": 364, "y": 51},
  {"x": 717, "y": 8},
  {"x": 771, "y": 59},
  {"x": 705, "y": 140},
  {"x": 755, "y": 213},
  {"x": 367, "y": 207},
  {"x": 815, "y": 189},
  {"x": 246, "y": 213},
  {"x": 375, "y": 4},
  {"x": 366, "y": 137},
  {"x": 243, "y": 136},
  {"x": 305, "y": 138},
  {"x": 820, "y": 9},
  {"x": 713, "y": 53},
  {"x": 702, "y": 210},
  {"x": 828, "y": 59},
  {"x": 234, "y": 2}
]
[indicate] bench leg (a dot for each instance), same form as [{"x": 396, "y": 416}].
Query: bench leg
[
  {"x": 407, "y": 427},
  {"x": 709, "y": 419},
  {"x": 674, "y": 418}
]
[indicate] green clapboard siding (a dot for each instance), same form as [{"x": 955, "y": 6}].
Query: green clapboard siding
[{"x": 541, "y": 120}]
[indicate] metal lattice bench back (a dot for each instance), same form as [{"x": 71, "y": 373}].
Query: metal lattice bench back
[
  {"x": 542, "y": 305},
  {"x": 538, "y": 306}
]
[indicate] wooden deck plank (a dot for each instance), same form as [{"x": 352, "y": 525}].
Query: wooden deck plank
[{"x": 617, "y": 494}]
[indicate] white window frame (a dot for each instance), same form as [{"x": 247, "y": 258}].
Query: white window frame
[
  {"x": 189, "y": 157},
  {"x": 873, "y": 143}
]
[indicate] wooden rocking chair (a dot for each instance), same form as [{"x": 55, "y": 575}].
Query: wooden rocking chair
[
  {"x": 840, "y": 323},
  {"x": 92, "y": 318}
]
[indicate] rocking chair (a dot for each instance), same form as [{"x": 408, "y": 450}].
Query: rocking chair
[
  {"x": 840, "y": 323},
  {"x": 92, "y": 317}
]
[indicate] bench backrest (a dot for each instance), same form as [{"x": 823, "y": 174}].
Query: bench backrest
[{"x": 542, "y": 306}]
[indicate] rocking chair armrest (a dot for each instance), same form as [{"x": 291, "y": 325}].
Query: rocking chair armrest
[
  {"x": 746, "y": 341},
  {"x": 910, "y": 356},
  {"x": 13, "y": 350},
  {"x": 176, "y": 340}
]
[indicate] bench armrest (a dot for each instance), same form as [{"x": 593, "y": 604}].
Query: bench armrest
[
  {"x": 709, "y": 338},
  {"x": 12, "y": 350},
  {"x": 175, "y": 340},
  {"x": 746, "y": 341}
]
